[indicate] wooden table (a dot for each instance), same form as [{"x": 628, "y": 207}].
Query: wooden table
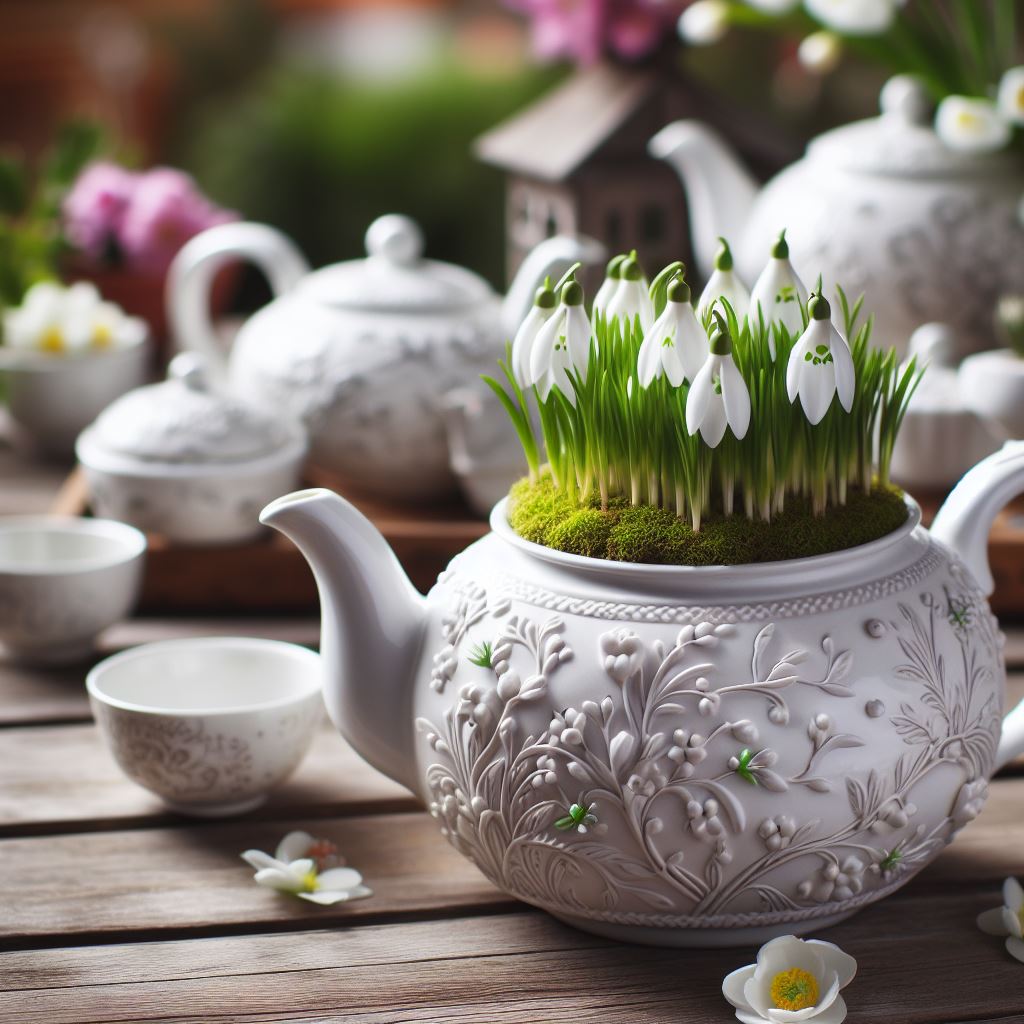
[{"x": 113, "y": 909}]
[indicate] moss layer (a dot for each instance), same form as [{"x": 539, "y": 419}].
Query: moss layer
[{"x": 540, "y": 513}]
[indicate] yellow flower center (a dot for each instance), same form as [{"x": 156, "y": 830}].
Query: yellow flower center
[
  {"x": 102, "y": 336},
  {"x": 309, "y": 882},
  {"x": 968, "y": 120},
  {"x": 1020, "y": 98},
  {"x": 52, "y": 340},
  {"x": 795, "y": 989}
]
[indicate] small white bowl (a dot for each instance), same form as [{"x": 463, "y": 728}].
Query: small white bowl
[
  {"x": 62, "y": 582},
  {"x": 209, "y": 725}
]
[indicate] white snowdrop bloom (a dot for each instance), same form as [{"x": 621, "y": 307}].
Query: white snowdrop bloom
[
  {"x": 723, "y": 284},
  {"x": 820, "y": 52},
  {"x": 522, "y": 345},
  {"x": 676, "y": 345},
  {"x": 298, "y": 868},
  {"x": 704, "y": 23},
  {"x": 612, "y": 277},
  {"x": 820, "y": 365},
  {"x": 718, "y": 397},
  {"x": 1011, "y": 95},
  {"x": 853, "y": 17},
  {"x": 68, "y": 321},
  {"x": 779, "y": 295},
  {"x": 1007, "y": 920},
  {"x": 562, "y": 344},
  {"x": 793, "y": 980},
  {"x": 971, "y": 125},
  {"x": 631, "y": 298}
]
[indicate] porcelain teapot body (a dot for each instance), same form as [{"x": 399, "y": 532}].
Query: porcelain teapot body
[
  {"x": 362, "y": 352},
  {"x": 681, "y": 756},
  {"x": 880, "y": 206}
]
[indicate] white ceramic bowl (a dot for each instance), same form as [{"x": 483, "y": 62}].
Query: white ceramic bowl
[
  {"x": 211, "y": 724},
  {"x": 53, "y": 398},
  {"x": 63, "y": 581}
]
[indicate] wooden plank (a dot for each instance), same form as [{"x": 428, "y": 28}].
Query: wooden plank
[
  {"x": 522, "y": 967},
  {"x": 62, "y": 779},
  {"x": 106, "y": 885}
]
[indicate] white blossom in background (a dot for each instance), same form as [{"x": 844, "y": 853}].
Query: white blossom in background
[
  {"x": 971, "y": 125},
  {"x": 718, "y": 397},
  {"x": 308, "y": 868},
  {"x": 1007, "y": 920},
  {"x": 522, "y": 345},
  {"x": 773, "y": 6},
  {"x": 793, "y": 980},
  {"x": 854, "y": 17},
  {"x": 723, "y": 284},
  {"x": 704, "y": 23},
  {"x": 1010, "y": 99},
  {"x": 69, "y": 321},
  {"x": 820, "y": 365},
  {"x": 779, "y": 295},
  {"x": 631, "y": 298},
  {"x": 676, "y": 345},
  {"x": 561, "y": 345},
  {"x": 820, "y": 52},
  {"x": 612, "y": 277}
]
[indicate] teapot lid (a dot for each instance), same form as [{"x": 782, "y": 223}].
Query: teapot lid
[
  {"x": 394, "y": 278},
  {"x": 183, "y": 420},
  {"x": 901, "y": 142}
]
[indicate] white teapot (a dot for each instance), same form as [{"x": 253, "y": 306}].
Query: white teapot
[
  {"x": 363, "y": 352},
  {"x": 882, "y": 205},
  {"x": 678, "y": 755}
]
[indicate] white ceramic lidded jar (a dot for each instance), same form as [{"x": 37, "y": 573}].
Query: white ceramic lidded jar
[
  {"x": 364, "y": 351},
  {"x": 181, "y": 460}
]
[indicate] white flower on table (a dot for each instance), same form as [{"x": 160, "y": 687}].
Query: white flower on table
[
  {"x": 308, "y": 868},
  {"x": 541, "y": 311},
  {"x": 971, "y": 125},
  {"x": 820, "y": 365},
  {"x": 1007, "y": 920},
  {"x": 631, "y": 298},
  {"x": 793, "y": 980},
  {"x": 779, "y": 295},
  {"x": 562, "y": 344},
  {"x": 676, "y": 345},
  {"x": 69, "y": 321},
  {"x": 853, "y": 17},
  {"x": 718, "y": 397},
  {"x": 723, "y": 284},
  {"x": 1010, "y": 99}
]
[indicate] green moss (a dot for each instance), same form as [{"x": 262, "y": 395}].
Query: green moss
[{"x": 540, "y": 513}]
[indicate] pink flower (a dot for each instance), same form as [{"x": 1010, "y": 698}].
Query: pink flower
[{"x": 94, "y": 208}]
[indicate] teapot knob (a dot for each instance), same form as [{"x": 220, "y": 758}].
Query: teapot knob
[
  {"x": 190, "y": 369},
  {"x": 904, "y": 97},
  {"x": 396, "y": 238}
]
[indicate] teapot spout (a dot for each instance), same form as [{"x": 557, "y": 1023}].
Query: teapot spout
[
  {"x": 372, "y": 621},
  {"x": 720, "y": 191}
]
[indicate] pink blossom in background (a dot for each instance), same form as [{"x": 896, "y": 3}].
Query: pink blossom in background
[
  {"x": 584, "y": 30},
  {"x": 94, "y": 208}
]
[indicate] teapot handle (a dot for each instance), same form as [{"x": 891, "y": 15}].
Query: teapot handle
[
  {"x": 192, "y": 272},
  {"x": 963, "y": 523}
]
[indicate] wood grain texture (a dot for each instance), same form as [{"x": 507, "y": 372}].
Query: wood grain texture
[{"x": 62, "y": 779}]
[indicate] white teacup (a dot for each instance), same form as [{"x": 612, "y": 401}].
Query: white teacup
[
  {"x": 62, "y": 582},
  {"x": 210, "y": 724}
]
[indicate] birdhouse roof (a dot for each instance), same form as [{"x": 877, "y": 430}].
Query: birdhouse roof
[{"x": 555, "y": 136}]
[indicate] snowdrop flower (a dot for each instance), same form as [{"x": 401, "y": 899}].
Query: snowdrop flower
[
  {"x": 820, "y": 52},
  {"x": 793, "y": 980},
  {"x": 1007, "y": 920},
  {"x": 971, "y": 125},
  {"x": 718, "y": 396},
  {"x": 820, "y": 364},
  {"x": 522, "y": 345},
  {"x": 676, "y": 345},
  {"x": 1011, "y": 95},
  {"x": 854, "y": 17},
  {"x": 779, "y": 294},
  {"x": 69, "y": 321},
  {"x": 631, "y": 299},
  {"x": 612, "y": 277},
  {"x": 704, "y": 23},
  {"x": 562, "y": 344},
  {"x": 303, "y": 866},
  {"x": 723, "y": 284}
]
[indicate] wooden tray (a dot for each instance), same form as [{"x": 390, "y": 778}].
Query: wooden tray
[{"x": 269, "y": 575}]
